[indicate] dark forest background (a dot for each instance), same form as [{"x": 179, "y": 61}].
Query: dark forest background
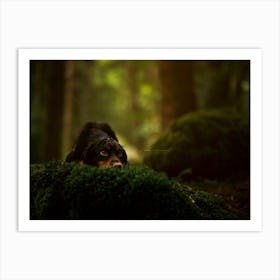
[{"x": 139, "y": 99}]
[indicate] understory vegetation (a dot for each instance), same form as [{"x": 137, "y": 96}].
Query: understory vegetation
[{"x": 62, "y": 190}]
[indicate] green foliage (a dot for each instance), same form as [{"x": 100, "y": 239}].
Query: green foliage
[
  {"x": 210, "y": 144},
  {"x": 62, "y": 190}
]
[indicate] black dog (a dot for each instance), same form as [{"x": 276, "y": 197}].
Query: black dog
[{"x": 98, "y": 145}]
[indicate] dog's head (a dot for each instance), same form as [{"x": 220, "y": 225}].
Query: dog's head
[
  {"x": 98, "y": 145},
  {"x": 104, "y": 152}
]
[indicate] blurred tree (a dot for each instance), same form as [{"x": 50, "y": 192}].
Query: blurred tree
[
  {"x": 37, "y": 116},
  {"x": 133, "y": 97},
  {"x": 223, "y": 83},
  {"x": 177, "y": 89},
  {"x": 84, "y": 94},
  {"x": 133, "y": 90},
  {"x": 55, "y": 83},
  {"x": 239, "y": 82},
  {"x": 68, "y": 106}
]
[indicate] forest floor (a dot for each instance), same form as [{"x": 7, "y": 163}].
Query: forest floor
[{"x": 235, "y": 194}]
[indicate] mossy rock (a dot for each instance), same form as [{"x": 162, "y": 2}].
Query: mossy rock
[
  {"x": 210, "y": 144},
  {"x": 64, "y": 191}
]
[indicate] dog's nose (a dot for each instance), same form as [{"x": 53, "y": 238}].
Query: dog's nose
[
  {"x": 117, "y": 164},
  {"x": 115, "y": 161}
]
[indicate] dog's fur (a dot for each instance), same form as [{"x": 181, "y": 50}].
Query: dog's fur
[{"x": 97, "y": 145}]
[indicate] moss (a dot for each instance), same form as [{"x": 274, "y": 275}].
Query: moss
[
  {"x": 212, "y": 206},
  {"x": 210, "y": 144},
  {"x": 62, "y": 190}
]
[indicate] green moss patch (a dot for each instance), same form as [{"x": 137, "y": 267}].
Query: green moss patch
[
  {"x": 209, "y": 144},
  {"x": 62, "y": 190}
]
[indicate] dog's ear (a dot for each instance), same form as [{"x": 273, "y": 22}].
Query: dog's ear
[
  {"x": 123, "y": 156},
  {"x": 71, "y": 157},
  {"x": 81, "y": 142}
]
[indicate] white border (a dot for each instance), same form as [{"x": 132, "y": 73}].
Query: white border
[{"x": 254, "y": 55}]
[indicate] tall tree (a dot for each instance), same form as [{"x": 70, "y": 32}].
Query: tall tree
[
  {"x": 177, "y": 89},
  {"x": 55, "y": 82},
  {"x": 134, "y": 106},
  {"x": 37, "y": 109},
  {"x": 68, "y": 106},
  {"x": 223, "y": 83}
]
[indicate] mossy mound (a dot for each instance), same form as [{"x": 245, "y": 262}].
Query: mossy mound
[
  {"x": 62, "y": 190},
  {"x": 209, "y": 144}
]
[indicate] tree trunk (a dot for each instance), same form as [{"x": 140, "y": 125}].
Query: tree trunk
[
  {"x": 55, "y": 82},
  {"x": 133, "y": 93},
  {"x": 177, "y": 89},
  {"x": 68, "y": 107}
]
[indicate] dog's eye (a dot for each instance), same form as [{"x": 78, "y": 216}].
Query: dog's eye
[{"x": 104, "y": 153}]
